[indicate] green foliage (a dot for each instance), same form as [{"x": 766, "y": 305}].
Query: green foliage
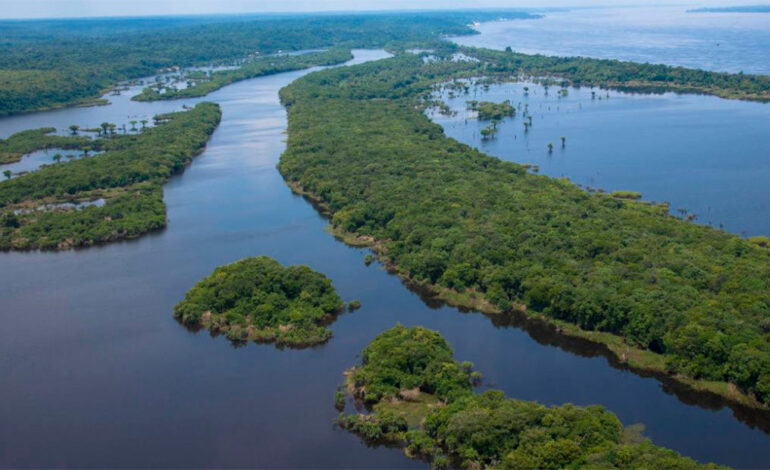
[
  {"x": 626, "y": 195},
  {"x": 628, "y": 76},
  {"x": 24, "y": 142},
  {"x": 447, "y": 215},
  {"x": 489, "y": 430},
  {"x": 258, "y": 299},
  {"x": 408, "y": 358},
  {"x": 255, "y": 68},
  {"x": 53, "y": 63},
  {"x": 488, "y": 111},
  {"x": 129, "y": 176}
]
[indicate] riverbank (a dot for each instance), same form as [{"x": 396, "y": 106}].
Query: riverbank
[
  {"x": 638, "y": 360},
  {"x": 486, "y": 234},
  {"x": 421, "y": 400}
]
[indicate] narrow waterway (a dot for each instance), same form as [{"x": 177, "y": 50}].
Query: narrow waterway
[{"x": 96, "y": 372}]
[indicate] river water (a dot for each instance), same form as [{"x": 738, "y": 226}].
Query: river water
[
  {"x": 96, "y": 372},
  {"x": 724, "y": 42}
]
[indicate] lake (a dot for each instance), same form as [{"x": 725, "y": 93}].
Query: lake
[{"x": 96, "y": 372}]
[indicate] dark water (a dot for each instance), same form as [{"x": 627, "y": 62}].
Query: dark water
[
  {"x": 725, "y": 42},
  {"x": 96, "y": 373},
  {"x": 708, "y": 155}
]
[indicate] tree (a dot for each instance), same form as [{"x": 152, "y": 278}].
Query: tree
[
  {"x": 563, "y": 141},
  {"x": 104, "y": 126},
  {"x": 550, "y": 147},
  {"x": 7, "y": 174},
  {"x": 74, "y": 129},
  {"x": 57, "y": 158},
  {"x": 133, "y": 125},
  {"x": 144, "y": 123},
  {"x": 86, "y": 150}
]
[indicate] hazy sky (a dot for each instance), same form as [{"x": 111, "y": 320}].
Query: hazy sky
[{"x": 79, "y": 8}]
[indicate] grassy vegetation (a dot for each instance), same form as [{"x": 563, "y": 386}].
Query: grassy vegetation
[
  {"x": 257, "y": 299},
  {"x": 205, "y": 84},
  {"x": 128, "y": 176},
  {"x": 53, "y": 63},
  {"x": 487, "y": 234},
  {"x": 421, "y": 400},
  {"x": 24, "y": 142}
]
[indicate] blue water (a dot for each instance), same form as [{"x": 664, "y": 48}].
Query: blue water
[
  {"x": 725, "y": 42},
  {"x": 707, "y": 155}
]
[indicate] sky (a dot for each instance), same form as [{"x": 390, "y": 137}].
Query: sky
[{"x": 84, "y": 8}]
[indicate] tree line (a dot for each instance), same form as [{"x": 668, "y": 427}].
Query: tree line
[
  {"x": 422, "y": 401},
  {"x": 129, "y": 176},
  {"x": 487, "y": 234}
]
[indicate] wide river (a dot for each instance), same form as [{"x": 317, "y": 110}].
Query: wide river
[{"x": 96, "y": 372}]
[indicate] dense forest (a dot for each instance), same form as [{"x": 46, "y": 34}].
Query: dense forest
[
  {"x": 128, "y": 177},
  {"x": 49, "y": 63},
  {"x": 203, "y": 84},
  {"x": 257, "y": 299},
  {"x": 421, "y": 400},
  {"x": 687, "y": 299}
]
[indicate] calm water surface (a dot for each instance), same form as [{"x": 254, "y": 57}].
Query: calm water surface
[
  {"x": 725, "y": 42},
  {"x": 708, "y": 155},
  {"x": 96, "y": 373}
]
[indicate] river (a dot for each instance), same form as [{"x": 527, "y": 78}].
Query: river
[
  {"x": 96, "y": 372},
  {"x": 723, "y": 42}
]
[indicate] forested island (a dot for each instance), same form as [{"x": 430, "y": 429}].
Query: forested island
[
  {"x": 624, "y": 75},
  {"x": 421, "y": 400},
  {"x": 257, "y": 299},
  {"x": 54, "y": 63},
  {"x": 128, "y": 177},
  {"x": 662, "y": 294},
  {"x": 488, "y": 111},
  {"x": 204, "y": 84}
]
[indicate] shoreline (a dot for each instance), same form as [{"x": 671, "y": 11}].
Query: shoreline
[{"x": 641, "y": 362}]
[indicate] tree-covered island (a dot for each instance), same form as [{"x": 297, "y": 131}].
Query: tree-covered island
[
  {"x": 421, "y": 399},
  {"x": 488, "y": 111},
  {"x": 257, "y": 299}
]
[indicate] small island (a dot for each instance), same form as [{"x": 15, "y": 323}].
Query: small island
[
  {"x": 488, "y": 111},
  {"x": 257, "y": 299},
  {"x": 421, "y": 400}
]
